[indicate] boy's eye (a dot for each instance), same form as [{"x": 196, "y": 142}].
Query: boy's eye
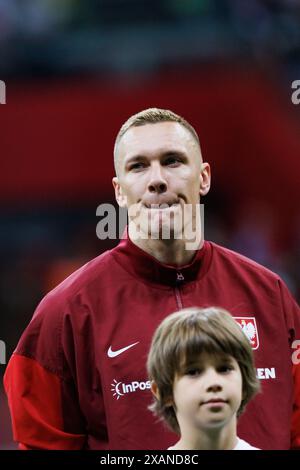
[
  {"x": 225, "y": 368},
  {"x": 193, "y": 371}
]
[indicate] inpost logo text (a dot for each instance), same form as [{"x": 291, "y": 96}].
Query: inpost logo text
[{"x": 120, "y": 388}]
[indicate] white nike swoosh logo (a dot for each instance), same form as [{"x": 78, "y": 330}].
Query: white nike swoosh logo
[{"x": 112, "y": 353}]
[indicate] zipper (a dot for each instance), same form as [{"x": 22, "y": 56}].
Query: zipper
[
  {"x": 178, "y": 298},
  {"x": 179, "y": 280}
]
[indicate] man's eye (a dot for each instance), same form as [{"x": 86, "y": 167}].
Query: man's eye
[
  {"x": 136, "y": 166},
  {"x": 172, "y": 161}
]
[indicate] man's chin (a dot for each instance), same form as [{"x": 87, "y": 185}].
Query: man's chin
[
  {"x": 155, "y": 231},
  {"x": 156, "y": 228},
  {"x": 166, "y": 234}
]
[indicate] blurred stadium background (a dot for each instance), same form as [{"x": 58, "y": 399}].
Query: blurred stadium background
[{"x": 75, "y": 70}]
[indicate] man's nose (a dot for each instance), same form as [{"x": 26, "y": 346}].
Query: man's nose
[{"x": 157, "y": 182}]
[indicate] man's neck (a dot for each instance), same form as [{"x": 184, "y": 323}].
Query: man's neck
[{"x": 171, "y": 252}]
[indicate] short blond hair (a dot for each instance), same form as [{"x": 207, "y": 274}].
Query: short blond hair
[
  {"x": 152, "y": 116},
  {"x": 181, "y": 338}
]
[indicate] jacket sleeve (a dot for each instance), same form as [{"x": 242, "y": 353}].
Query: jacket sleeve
[
  {"x": 41, "y": 391},
  {"x": 35, "y": 398},
  {"x": 296, "y": 409},
  {"x": 292, "y": 314}
]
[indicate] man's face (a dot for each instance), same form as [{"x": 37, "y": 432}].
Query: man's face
[{"x": 160, "y": 172}]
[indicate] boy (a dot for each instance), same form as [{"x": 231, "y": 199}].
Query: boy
[{"x": 202, "y": 372}]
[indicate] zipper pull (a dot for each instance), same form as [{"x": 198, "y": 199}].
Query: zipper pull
[{"x": 180, "y": 277}]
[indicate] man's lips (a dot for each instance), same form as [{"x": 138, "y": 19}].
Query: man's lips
[{"x": 160, "y": 205}]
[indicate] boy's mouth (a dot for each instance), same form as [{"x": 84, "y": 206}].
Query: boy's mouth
[{"x": 214, "y": 401}]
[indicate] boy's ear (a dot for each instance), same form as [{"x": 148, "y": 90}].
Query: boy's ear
[
  {"x": 154, "y": 389},
  {"x": 155, "y": 392}
]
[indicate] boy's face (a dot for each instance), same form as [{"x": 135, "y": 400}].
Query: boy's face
[{"x": 208, "y": 393}]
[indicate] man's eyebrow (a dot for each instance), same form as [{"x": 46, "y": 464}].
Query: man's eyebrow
[
  {"x": 165, "y": 154},
  {"x": 134, "y": 158},
  {"x": 170, "y": 153}
]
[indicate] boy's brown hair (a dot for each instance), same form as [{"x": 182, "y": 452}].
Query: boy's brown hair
[{"x": 181, "y": 338}]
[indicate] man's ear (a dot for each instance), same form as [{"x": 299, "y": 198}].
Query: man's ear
[
  {"x": 119, "y": 195},
  {"x": 205, "y": 178}
]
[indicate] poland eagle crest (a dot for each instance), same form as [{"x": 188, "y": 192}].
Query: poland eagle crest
[{"x": 248, "y": 325}]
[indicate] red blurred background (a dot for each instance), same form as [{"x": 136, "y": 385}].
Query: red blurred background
[{"x": 67, "y": 97}]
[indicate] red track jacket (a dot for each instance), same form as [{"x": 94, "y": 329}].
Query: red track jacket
[{"x": 77, "y": 378}]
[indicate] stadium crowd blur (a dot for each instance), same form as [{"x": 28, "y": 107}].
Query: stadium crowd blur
[{"x": 124, "y": 46}]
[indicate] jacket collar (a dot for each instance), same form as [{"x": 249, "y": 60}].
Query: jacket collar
[{"x": 142, "y": 265}]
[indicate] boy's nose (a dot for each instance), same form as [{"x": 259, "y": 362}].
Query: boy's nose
[
  {"x": 215, "y": 387},
  {"x": 213, "y": 381}
]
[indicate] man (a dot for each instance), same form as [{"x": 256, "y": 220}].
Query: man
[{"x": 78, "y": 376}]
